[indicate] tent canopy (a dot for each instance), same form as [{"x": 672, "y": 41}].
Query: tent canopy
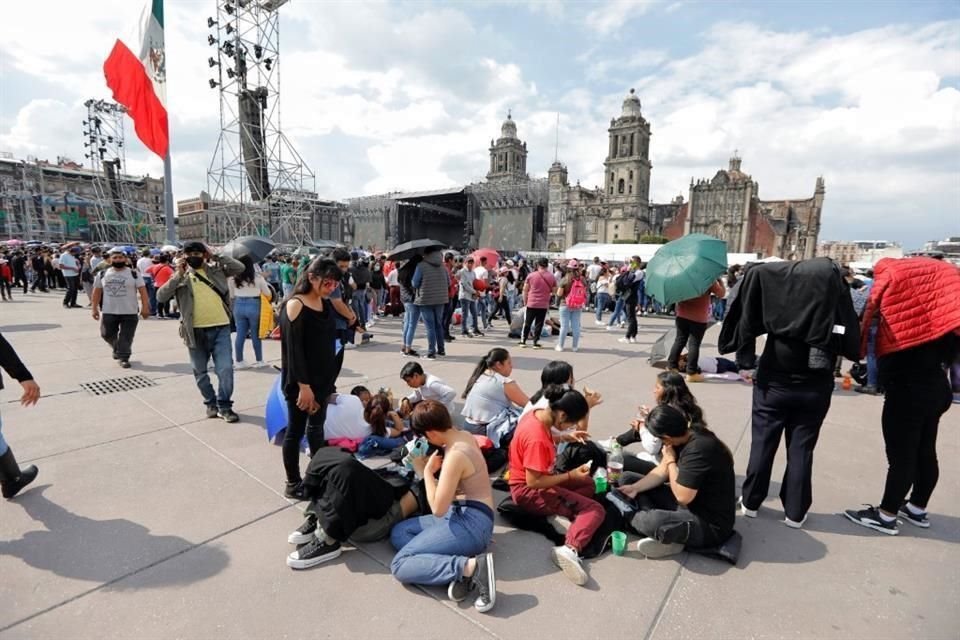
[{"x": 585, "y": 252}]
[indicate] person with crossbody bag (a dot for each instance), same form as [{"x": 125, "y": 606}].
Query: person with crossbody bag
[{"x": 573, "y": 298}]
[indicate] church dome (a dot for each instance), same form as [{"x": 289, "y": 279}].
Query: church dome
[
  {"x": 631, "y": 105},
  {"x": 509, "y": 128}
]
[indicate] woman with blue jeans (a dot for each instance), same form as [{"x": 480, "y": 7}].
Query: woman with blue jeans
[
  {"x": 448, "y": 546},
  {"x": 570, "y": 313},
  {"x": 246, "y": 289}
]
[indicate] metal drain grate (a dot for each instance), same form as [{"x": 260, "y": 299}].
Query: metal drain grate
[{"x": 116, "y": 385}]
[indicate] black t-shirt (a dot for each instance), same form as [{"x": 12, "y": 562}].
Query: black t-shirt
[{"x": 704, "y": 464}]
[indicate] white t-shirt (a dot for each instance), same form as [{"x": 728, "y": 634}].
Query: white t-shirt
[
  {"x": 120, "y": 291},
  {"x": 142, "y": 265},
  {"x": 707, "y": 364},
  {"x": 345, "y": 419},
  {"x": 434, "y": 389},
  {"x": 481, "y": 273},
  {"x": 393, "y": 279},
  {"x": 593, "y": 271},
  {"x": 69, "y": 265},
  {"x": 249, "y": 290}
]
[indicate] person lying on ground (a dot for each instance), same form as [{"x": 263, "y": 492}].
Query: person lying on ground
[
  {"x": 711, "y": 364},
  {"x": 426, "y": 386},
  {"x": 448, "y": 546},
  {"x": 699, "y": 469},
  {"x": 535, "y": 487}
]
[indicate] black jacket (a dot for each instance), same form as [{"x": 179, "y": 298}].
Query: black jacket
[
  {"x": 801, "y": 301},
  {"x": 11, "y": 363}
]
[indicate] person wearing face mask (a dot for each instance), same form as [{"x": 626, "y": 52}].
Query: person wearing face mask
[
  {"x": 200, "y": 287},
  {"x": 114, "y": 304}
]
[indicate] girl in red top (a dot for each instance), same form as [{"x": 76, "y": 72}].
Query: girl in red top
[{"x": 534, "y": 486}]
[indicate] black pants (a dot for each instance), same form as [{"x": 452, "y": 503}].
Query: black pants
[
  {"x": 118, "y": 330},
  {"x": 689, "y": 334},
  {"x": 20, "y": 279},
  {"x": 300, "y": 423},
  {"x": 797, "y": 410},
  {"x": 454, "y": 303},
  {"x": 534, "y": 318},
  {"x": 502, "y": 309},
  {"x": 910, "y": 422},
  {"x": 632, "y": 318},
  {"x": 73, "y": 287},
  {"x": 39, "y": 281},
  {"x": 5, "y": 289}
]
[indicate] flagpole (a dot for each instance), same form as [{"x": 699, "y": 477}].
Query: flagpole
[{"x": 168, "y": 201}]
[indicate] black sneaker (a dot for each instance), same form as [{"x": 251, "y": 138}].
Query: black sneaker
[
  {"x": 228, "y": 415},
  {"x": 486, "y": 583},
  {"x": 295, "y": 491},
  {"x": 867, "y": 389},
  {"x": 313, "y": 553},
  {"x": 458, "y": 590},
  {"x": 916, "y": 519},
  {"x": 431, "y": 356},
  {"x": 870, "y": 518},
  {"x": 442, "y": 354},
  {"x": 305, "y": 532},
  {"x": 537, "y": 346},
  {"x": 449, "y": 338},
  {"x": 480, "y": 333},
  {"x": 212, "y": 412},
  {"x": 124, "y": 364},
  {"x": 412, "y": 353}
]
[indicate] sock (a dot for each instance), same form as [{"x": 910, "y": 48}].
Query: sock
[
  {"x": 885, "y": 517},
  {"x": 915, "y": 510},
  {"x": 324, "y": 536}
]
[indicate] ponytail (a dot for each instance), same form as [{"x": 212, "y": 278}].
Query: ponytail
[
  {"x": 562, "y": 398},
  {"x": 494, "y": 356}
]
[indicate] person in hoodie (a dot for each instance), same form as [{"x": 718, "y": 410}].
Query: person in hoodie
[{"x": 432, "y": 284}]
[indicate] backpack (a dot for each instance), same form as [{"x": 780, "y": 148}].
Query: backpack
[{"x": 577, "y": 297}]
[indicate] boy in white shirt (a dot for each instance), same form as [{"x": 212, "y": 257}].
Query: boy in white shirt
[{"x": 425, "y": 387}]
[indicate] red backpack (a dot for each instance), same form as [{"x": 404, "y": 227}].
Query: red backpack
[{"x": 577, "y": 296}]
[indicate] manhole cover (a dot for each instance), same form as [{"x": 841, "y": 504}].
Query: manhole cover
[{"x": 116, "y": 385}]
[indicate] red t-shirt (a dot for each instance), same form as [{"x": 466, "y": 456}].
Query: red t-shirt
[
  {"x": 698, "y": 309},
  {"x": 531, "y": 448},
  {"x": 161, "y": 273}
]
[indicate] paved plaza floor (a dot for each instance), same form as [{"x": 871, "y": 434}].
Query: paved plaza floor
[{"x": 150, "y": 521}]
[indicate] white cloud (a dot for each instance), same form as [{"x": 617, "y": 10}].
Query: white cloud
[{"x": 612, "y": 15}]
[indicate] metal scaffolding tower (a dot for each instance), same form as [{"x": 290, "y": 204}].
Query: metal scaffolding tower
[{"x": 259, "y": 184}]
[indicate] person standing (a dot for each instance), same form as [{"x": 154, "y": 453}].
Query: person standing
[
  {"x": 19, "y": 263},
  {"x": 143, "y": 267},
  {"x": 271, "y": 272},
  {"x": 572, "y": 294},
  {"x": 200, "y": 288},
  {"x": 70, "y": 268},
  {"x": 6, "y": 278},
  {"x": 691, "y": 322},
  {"x": 12, "y": 478},
  {"x": 288, "y": 276},
  {"x": 378, "y": 285},
  {"x": 453, "y": 294},
  {"x": 633, "y": 295},
  {"x": 432, "y": 295},
  {"x": 115, "y": 306},
  {"x": 309, "y": 370},
  {"x": 245, "y": 290},
  {"x": 161, "y": 272},
  {"x": 593, "y": 274},
  {"x": 468, "y": 298},
  {"x": 537, "y": 289}
]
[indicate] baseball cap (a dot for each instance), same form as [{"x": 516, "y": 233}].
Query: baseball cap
[{"x": 573, "y": 264}]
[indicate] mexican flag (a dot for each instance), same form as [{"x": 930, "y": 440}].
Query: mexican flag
[{"x": 139, "y": 82}]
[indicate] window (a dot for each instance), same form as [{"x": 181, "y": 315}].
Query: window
[
  {"x": 631, "y": 176},
  {"x": 616, "y": 236},
  {"x": 620, "y": 186},
  {"x": 630, "y": 188},
  {"x": 611, "y": 189}
]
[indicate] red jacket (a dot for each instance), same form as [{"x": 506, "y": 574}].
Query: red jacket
[{"x": 915, "y": 300}]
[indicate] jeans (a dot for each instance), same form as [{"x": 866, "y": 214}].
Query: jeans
[
  {"x": 359, "y": 306},
  {"x": 434, "y": 551},
  {"x": 617, "y": 312},
  {"x": 689, "y": 334},
  {"x": 873, "y": 372},
  {"x": 603, "y": 299},
  {"x": 677, "y": 527},
  {"x": 117, "y": 330},
  {"x": 73, "y": 287},
  {"x": 536, "y": 318},
  {"x": 433, "y": 319},
  {"x": 373, "y": 445},
  {"x": 246, "y": 313},
  {"x": 797, "y": 410},
  {"x": 570, "y": 321},
  {"x": 287, "y": 290},
  {"x": 910, "y": 421},
  {"x": 151, "y": 294},
  {"x": 572, "y": 499},
  {"x": 468, "y": 308},
  {"x": 300, "y": 423},
  {"x": 215, "y": 344},
  {"x": 411, "y": 316}
]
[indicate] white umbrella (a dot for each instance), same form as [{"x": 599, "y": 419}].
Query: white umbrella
[{"x": 169, "y": 248}]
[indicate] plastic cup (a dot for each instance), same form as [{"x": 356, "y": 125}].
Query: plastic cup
[
  {"x": 618, "y": 542},
  {"x": 599, "y": 484}
]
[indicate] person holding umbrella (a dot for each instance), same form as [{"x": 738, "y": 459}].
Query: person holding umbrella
[{"x": 693, "y": 316}]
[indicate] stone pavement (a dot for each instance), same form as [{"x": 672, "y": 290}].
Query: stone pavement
[{"x": 150, "y": 521}]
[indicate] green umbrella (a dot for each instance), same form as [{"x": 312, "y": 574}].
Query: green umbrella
[{"x": 685, "y": 268}]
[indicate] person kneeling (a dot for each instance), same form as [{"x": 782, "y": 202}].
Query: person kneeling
[
  {"x": 699, "y": 468},
  {"x": 448, "y": 546}
]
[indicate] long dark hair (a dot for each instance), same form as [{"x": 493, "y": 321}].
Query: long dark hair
[
  {"x": 668, "y": 420},
  {"x": 677, "y": 394},
  {"x": 555, "y": 372},
  {"x": 376, "y": 413},
  {"x": 495, "y": 356},
  {"x": 570, "y": 401},
  {"x": 405, "y": 273},
  {"x": 322, "y": 268},
  {"x": 246, "y": 276}
]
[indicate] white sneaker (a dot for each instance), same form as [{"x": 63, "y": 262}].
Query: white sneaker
[
  {"x": 599, "y": 323},
  {"x": 349, "y": 346},
  {"x": 623, "y": 324},
  {"x": 606, "y": 444},
  {"x": 794, "y": 524},
  {"x": 610, "y": 327},
  {"x": 651, "y": 548},
  {"x": 624, "y": 340},
  {"x": 750, "y": 513},
  {"x": 633, "y": 340},
  {"x": 240, "y": 364},
  {"x": 569, "y": 562},
  {"x": 575, "y": 349},
  {"x": 259, "y": 364},
  {"x": 558, "y": 348}
]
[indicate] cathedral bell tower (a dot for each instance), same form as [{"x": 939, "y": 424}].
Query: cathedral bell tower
[
  {"x": 627, "y": 169},
  {"x": 508, "y": 155}
]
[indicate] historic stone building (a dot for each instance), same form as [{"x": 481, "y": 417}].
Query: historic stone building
[{"x": 729, "y": 207}]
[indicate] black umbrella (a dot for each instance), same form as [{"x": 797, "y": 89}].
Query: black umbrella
[
  {"x": 254, "y": 247},
  {"x": 407, "y": 250}
]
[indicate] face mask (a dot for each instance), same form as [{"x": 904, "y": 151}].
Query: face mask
[
  {"x": 118, "y": 264},
  {"x": 195, "y": 261}
]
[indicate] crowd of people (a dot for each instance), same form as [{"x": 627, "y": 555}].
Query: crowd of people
[{"x": 435, "y": 504}]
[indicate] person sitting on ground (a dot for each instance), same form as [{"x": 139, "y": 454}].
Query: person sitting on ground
[
  {"x": 448, "y": 545},
  {"x": 561, "y": 372},
  {"x": 535, "y": 488},
  {"x": 671, "y": 389},
  {"x": 386, "y": 426},
  {"x": 348, "y": 500},
  {"x": 490, "y": 391},
  {"x": 699, "y": 469},
  {"x": 426, "y": 386}
]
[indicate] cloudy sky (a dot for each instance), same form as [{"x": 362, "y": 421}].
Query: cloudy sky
[{"x": 407, "y": 95}]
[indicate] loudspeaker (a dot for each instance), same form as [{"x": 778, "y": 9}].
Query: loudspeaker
[
  {"x": 251, "y": 141},
  {"x": 538, "y": 226}
]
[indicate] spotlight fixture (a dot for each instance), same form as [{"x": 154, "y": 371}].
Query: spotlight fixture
[
  {"x": 212, "y": 62},
  {"x": 258, "y": 51},
  {"x": 228, "y": 49},
  {"x": 213, "y": 83},
  {"x": 211, "y": 40},
  {"x": 229, "y": 29},
  {"x": 230, "y": 73},
  {"x": 268, "y": 63},
  {"x": 228, "y": 8},
  {"x": 211, "y": 22}
]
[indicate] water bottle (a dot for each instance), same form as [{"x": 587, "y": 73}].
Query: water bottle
[{"x": 615, "y": 465}]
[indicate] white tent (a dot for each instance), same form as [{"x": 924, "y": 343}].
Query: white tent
[{"x": 586, "y": 251}]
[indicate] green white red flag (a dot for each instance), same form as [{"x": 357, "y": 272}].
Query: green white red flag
[{"x": 139, "y": 81}]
